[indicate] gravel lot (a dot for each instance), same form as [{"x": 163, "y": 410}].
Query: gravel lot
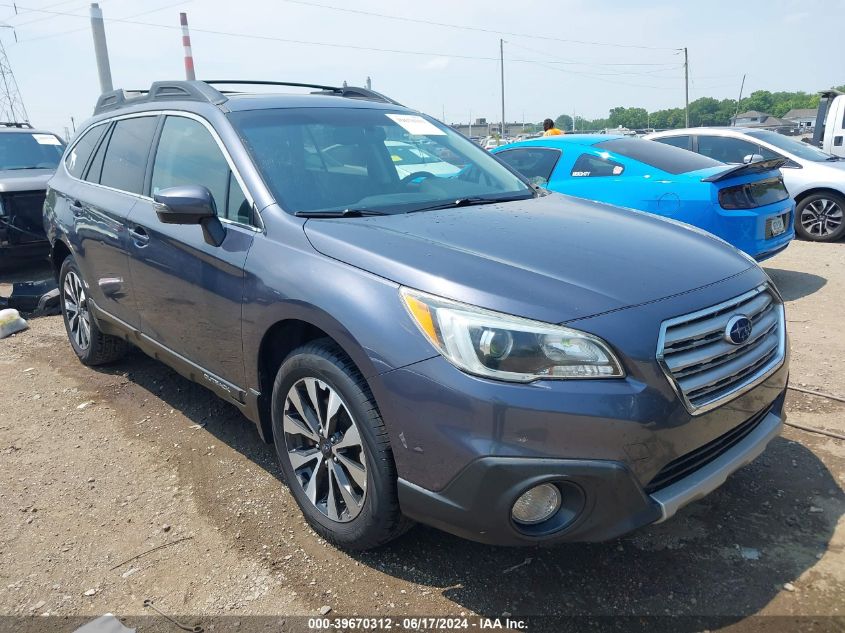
[{"x": 100, "y": 466}]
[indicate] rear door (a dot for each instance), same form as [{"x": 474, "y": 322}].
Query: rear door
[
  {"x": 111, "y": 186},
  {"x": 190, "y": 292}
]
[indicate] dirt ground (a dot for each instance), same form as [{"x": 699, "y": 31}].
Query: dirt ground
[{"x": 98, "y": 467}]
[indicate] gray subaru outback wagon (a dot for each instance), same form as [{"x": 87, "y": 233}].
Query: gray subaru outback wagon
[{"x": 422, "y": 334}]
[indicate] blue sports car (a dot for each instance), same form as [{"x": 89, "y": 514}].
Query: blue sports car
[{"x": 746, "y": 205}]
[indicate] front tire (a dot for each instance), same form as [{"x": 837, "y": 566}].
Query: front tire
[
  {"x": 91, "y": 346},
  {"x": 819, "y": 217},
  {"x": 333, "y": 448}
]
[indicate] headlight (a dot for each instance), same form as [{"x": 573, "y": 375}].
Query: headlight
[{"x": 505, "y": 347}]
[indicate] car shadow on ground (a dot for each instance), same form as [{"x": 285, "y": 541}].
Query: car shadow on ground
[
  {"x": 722, "y": 558},
  {"x": 794, "y": 285}
]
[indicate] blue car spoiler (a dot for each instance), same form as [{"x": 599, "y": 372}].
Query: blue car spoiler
[{"x": 747, "y": 169}]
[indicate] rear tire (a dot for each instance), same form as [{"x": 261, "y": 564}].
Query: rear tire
[
  {"x": 91, "y": 346},
  {"x": 334, "y": 450},
  {"x": 819, "y": 217}
]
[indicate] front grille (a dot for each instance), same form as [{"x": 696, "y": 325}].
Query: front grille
[
  {"x": 705, "y": 368},
  {"x": 689, "y": 463},
  {"x": 22, "y": 216}
]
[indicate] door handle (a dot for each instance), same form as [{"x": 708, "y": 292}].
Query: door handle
[
  {"x": 139, "y": 236},
  {"x": 76, "y": 208}
]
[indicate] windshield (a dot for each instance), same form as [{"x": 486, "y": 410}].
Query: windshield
[
  {"x": 799, "y": 149},
  {"x": 334, "y": 159},
  {"x": 29, "y": 151}
]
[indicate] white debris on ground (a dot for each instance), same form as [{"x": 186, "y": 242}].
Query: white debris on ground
[{"x": 11, "y": 322}]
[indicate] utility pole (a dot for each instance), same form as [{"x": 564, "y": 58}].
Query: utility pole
[
  {"x": 502, "y": 63},
  {"x": 470, "y": 123},
  {"x": 686, "y": 85},
  {"x": 190, "y": 75},
  {"x": 738, "y": 101},
  {"x": 11, "y": 103},
  {"x": 101, "y": 50}
]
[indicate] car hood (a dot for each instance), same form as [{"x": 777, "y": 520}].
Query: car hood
[
  {"x": 24, "y": 179},
  {"x": 553, "y": 258}
]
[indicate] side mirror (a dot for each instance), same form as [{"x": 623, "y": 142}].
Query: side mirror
[
  {"x": 188, "y": 204},
  {"x": 752, "y": 158},
  {"x": 191, "y": 204}
]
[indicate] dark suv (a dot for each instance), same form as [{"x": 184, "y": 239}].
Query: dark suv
[{"x": 421, "y": 333}]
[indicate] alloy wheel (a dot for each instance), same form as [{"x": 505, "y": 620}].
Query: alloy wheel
[
  {"x": 325, "y": 450},
  {"x": 821, "y": 217},
  {"x": 76, "y": 310}
]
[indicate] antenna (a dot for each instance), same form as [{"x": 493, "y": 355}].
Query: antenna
[{"x": 11, "y": 103}]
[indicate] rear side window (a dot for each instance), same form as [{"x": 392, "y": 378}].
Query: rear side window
[
  {"x": 187, "y": 154},
  {"x": 78, "y": 157},
  {"x": 126, "y": 156},
  {"x": 672, "y": 160},
  {"x": 676, "y": 141},
  {"x": 726, "y": 149},
  {"x": 535, "y": 163},
  {"x": 589, "y": 166}
]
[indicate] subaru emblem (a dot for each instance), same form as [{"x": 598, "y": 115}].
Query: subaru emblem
[{"x": 738, "y": 329}]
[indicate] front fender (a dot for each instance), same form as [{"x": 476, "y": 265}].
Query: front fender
[{"x": 362, "y": 312}]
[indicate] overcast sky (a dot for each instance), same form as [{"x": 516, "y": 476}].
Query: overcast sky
[{"x": 780, "y": 44}]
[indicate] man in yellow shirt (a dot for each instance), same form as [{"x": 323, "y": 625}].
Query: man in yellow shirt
[{"x": 549, "y": 128}]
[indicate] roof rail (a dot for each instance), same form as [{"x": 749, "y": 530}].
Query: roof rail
[
  {"x": 206, "y": 92},
  {"x": 352, "y": 92},
  {"x": 160, "y": 91},
  {"x": 24, "y": 125}
]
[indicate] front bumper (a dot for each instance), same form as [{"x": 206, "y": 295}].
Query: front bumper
[
  {"x": 603, "y": 498},
  {"x": 464, "y": 444}
]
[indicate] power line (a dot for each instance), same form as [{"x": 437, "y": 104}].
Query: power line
[
  {"x": 85, "y": 28},
  {"x": 465, "y": 27},
  {"x": 609, "y": 74},
  {"x": 51, "y": 17},
  {"x": 252, "y": 36}
]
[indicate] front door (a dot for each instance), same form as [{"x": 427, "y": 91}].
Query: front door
[{"x": 190, "y": 292}]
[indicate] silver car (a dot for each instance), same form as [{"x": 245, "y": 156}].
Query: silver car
[
  {"x": 28, "y": 159},
  {"x": 815, "y": 180}
]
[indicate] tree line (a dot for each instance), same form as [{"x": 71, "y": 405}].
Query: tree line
[{"x": 705, "y": 111}]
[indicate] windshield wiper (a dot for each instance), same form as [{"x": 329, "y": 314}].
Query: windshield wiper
[
  {"x": 22, "y": 168},
  {"x": 833, "y": 158},
  {"x": 471, "y": 201},
  {"x": 345, "y": 213}
]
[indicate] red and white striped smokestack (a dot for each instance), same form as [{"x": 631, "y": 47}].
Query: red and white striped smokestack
[{"x": 186, "y": 42}]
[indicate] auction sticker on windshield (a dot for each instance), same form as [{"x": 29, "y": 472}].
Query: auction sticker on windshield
[
  {"x": 414, "y": 124},
  {"x": 46, "y": 139}
]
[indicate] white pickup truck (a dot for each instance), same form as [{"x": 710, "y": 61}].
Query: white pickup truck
[{"x": 829, "y": 134}]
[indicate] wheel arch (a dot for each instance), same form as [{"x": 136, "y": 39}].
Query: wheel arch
[
  {"x": 815, "y": 190},
  {"x": 59, "y": 251},
  {"x": 287, "y": 334}
]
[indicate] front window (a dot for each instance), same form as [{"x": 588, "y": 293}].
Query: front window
[
  {"x": 726, "y": 148},
  {"x": 535, "y": 163},
  {"x": 337, "y": 159},
  {"x": 25, "y": 150},
  {"x": 797, "y": 148}
]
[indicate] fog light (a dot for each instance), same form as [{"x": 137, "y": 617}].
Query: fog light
[{"x": 536, "y": 505}]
